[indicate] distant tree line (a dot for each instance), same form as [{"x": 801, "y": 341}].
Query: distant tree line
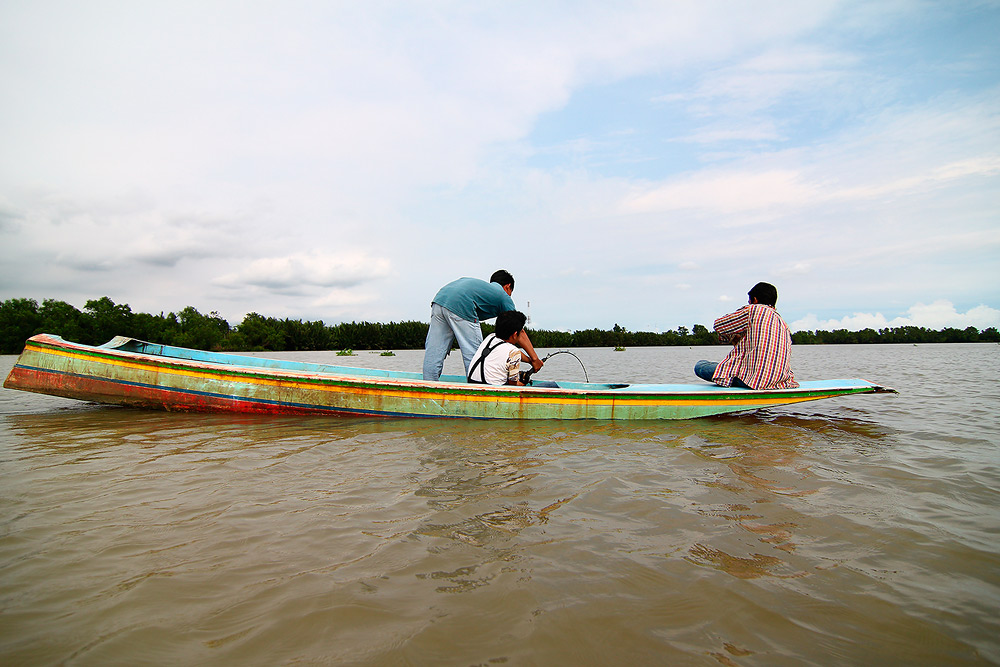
[
  {"x": 897, "y": 335},
  {"x": 102, "y": 319}
]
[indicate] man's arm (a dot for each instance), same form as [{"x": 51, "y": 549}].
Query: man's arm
[
  {"x": 732, "y": 327},
  {"x": 524, "y": 343},
  {"x": 514, "y": 367}
]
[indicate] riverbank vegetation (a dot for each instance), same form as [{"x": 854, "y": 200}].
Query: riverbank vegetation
[{"x": 102, "y": 319}]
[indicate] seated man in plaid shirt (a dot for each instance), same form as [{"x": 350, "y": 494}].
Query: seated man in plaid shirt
[{"x": 761, "y": 346}]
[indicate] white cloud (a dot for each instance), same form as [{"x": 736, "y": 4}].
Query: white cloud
[
  {"x": 734, "y": 130},
  {"x": 725, "y": 191},
  {"x": 107, "y": 233},
  {"x": 937, "y": 315},
  {"x": 300, "y": 273},
  {"x": 340, "y": 302},
  {"x": 763, "y": 80},
  {"x": 900, "y": 152},
  {"x": 793, "y": 270},
  {"x": 933, "y": 176}
]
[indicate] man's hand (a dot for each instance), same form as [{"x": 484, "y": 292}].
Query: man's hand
[{"x": 732, "y": 338}]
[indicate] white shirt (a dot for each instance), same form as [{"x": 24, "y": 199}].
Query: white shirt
[{"x": 503, "y": 362}]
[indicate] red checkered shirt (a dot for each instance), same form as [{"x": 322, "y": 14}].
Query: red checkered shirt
[{"x": 760, "y": 355}]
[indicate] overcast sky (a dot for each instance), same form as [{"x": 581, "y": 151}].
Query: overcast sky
[{"x": 632, "y": 163}]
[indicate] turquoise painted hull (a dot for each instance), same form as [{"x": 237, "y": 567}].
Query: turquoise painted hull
[{"x": 135, "y": 373}]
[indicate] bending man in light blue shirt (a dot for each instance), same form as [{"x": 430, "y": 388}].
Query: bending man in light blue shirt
[{"x": 456, "y": 311}]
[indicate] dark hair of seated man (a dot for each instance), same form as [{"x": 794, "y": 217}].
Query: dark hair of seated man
[
  {"x": 509, "y": 323},
  {"x": 764, "y": 293}
]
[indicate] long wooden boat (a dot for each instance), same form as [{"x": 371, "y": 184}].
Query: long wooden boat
[{"x": 131, "y": 372}]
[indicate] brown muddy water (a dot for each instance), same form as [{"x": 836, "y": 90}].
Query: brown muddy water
[{"x": 854, "y": 531}]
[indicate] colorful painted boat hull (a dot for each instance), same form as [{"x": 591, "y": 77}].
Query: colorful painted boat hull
[{"x": 135, "y": 373}]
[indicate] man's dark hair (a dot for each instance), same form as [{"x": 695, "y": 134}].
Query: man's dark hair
[
  {"x": 509, "y": 323},
  {"x": 502, "y": 277},
  {"x": 765, "y": 293}
]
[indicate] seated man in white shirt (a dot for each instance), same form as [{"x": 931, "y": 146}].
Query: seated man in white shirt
[{"x": 498, "y": 359}]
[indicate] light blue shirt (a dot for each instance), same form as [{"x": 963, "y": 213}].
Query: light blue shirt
[{"x": 473, "y": 299}]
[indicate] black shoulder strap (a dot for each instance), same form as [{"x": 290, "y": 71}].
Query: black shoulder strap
[{"x": 479, "y": 363}]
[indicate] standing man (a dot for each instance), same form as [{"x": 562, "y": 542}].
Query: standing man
[
  {"x": 456, "y": 311},
  {"x": 761, "y": 346}
]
